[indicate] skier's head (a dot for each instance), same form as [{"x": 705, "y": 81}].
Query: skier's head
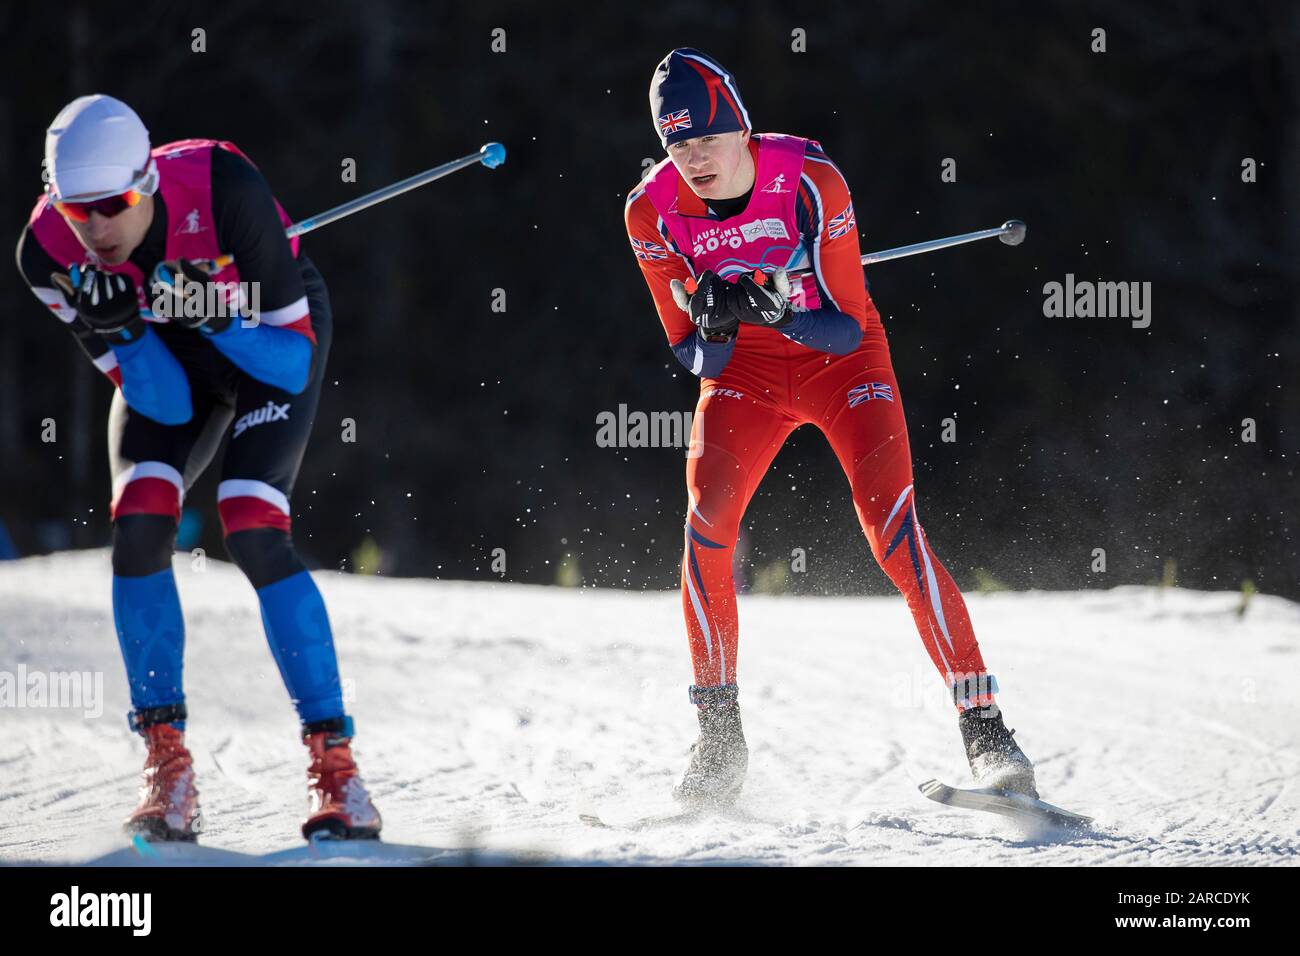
[
  {"x": 702, "y": 123},
  {"x": 100, "y": 176}
]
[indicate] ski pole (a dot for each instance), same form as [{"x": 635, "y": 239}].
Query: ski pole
[
  {"x": 1011, "y": 232},
  {"x": 490, "y": 155}
]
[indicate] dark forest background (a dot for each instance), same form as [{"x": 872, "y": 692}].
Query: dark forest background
[{"x": 476, "y": 430}]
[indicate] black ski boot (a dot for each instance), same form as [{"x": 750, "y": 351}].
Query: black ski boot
[
  {"x": 995, "y": 758},
  {"x": 719, "y": 758}
]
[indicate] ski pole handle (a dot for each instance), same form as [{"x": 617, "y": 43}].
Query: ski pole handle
[{"x": 683, "y": 289}]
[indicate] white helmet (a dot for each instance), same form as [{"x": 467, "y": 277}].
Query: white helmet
[{"x": 97, "y": 146}]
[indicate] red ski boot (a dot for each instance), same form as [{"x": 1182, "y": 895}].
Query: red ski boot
[
  {"x": 169, "y": 801},
  {"x": 338, "y": 805}
]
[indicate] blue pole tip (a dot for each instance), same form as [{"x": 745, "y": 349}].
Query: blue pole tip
[{"x": 494, "y": 154}]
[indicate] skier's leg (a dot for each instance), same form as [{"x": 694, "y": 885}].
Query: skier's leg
[
  {"x": 261, "y": 465},
  {"x": 267, "y": 444},
  {"x": 152, "y": 465},
  {"x": 734, "y": 438},
  {"x": 862, "y": 415},
  {"x": 863, "y": 419}
]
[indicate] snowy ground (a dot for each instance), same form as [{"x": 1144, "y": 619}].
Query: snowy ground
[{"x": 491, "y": 715}]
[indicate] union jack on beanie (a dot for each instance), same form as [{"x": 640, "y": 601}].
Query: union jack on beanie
[{"x": 691, "y": 95}]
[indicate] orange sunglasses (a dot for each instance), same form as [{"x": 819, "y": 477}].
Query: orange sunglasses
[{"x": 109, "y": 206}]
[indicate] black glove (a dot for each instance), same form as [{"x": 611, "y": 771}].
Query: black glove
[
  {"x": 711, "y": 306},
  {"x": 108, "y": 302},
  {"x": 766, "y": 302},
  {"x": 181, "y": 294}
]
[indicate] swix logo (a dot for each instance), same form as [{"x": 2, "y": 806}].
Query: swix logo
[
  {"x": 775, "y": 186},
  {"x": 869, "y": 390},
  {"x": 191, "y": 224},
  {"x": 270, "y": 412}
]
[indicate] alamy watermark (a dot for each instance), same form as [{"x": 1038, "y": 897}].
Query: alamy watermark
[
  {"x": 638, "y": 429},
  {"x": 68, "y": 690},
  {"x": 917, "y": 688},
  {"x": 1102, "y": 300},
  {"x": 74, "y": 908},
  {"x": 189, "y": 298}
]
